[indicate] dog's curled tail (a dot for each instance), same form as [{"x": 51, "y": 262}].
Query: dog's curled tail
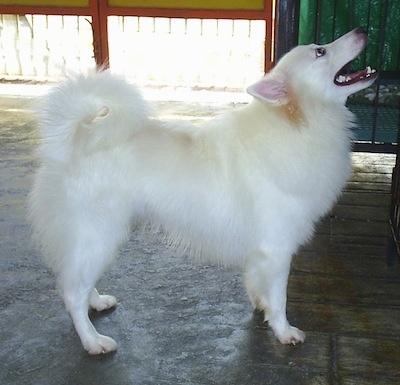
[{"x": 88, "y": 113}]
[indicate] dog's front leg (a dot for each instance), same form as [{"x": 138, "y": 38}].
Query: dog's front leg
[{"x": 266, "y": 282}]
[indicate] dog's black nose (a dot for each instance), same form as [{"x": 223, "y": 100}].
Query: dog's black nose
[{"x": 360, "y": 30}]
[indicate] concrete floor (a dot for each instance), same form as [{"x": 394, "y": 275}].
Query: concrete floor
[{"x": 180, "y": 323}]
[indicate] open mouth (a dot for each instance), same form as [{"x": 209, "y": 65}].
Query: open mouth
[{"x": 359, "y": 76}]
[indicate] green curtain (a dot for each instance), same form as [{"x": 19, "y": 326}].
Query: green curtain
[{"x": 339, "y": 16}]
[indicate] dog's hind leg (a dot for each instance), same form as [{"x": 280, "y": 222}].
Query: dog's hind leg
[
  {"x": 266, "y": 282},
  {"x": 77, "y": 279},
  {"x": 78, "y": 294}
]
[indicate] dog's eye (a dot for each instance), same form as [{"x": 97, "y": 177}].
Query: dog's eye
[{"x": 320, "y": 51}]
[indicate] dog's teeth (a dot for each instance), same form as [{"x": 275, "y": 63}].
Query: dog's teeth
[
  {"x": 341, "y": 79},
  {"x": 370, "y": 70}
]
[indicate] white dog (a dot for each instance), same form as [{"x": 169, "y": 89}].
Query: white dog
[{"x": 245, "y": 188}]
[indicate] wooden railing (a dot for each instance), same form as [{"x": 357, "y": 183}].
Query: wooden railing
[{"x": 99, "y": 10}]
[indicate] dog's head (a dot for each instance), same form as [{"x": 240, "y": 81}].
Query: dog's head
[{"x": 315, "y": 72}]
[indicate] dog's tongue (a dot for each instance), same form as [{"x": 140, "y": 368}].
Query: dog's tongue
[{"x": 347, "y": 79}]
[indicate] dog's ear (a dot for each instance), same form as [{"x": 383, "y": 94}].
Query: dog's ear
[{"x": 270, "y": 89}]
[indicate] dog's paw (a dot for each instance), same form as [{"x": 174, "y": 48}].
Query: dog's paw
[
  {"x": 102, "y": 302},
  {"x": 291, "y": 336},
  {"x": 100, "y": 345}
]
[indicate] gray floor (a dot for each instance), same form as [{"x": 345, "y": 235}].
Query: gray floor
[{"x": 179, "y": 323}]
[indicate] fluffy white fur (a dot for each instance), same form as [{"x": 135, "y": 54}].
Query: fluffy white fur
[{"x": 245, "y": 188}]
